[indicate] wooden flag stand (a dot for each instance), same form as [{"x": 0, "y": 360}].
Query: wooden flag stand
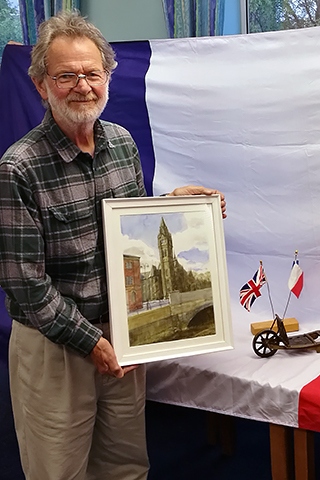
[{"x": 291, "y": 325}]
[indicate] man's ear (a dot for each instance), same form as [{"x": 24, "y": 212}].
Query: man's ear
[{"x": 41, "y": 87}]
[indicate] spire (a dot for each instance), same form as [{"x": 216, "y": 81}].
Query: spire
[{"x": 163, "y": 230}]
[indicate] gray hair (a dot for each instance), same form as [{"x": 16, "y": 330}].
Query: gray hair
[{"x": 72, "y": 25}]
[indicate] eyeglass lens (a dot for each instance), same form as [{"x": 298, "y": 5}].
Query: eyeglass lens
[{"x": 70, "y": 80}]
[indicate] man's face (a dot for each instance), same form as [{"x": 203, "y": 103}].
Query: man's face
[{"x": 80, "y": 104}]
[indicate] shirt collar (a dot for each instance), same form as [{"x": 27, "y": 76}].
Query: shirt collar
[
  {"x": 100, "y": 137},
  {"x": 63, "y": 145}
]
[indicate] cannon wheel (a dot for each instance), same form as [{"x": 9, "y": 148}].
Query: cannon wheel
[{"x": 261, "y": 343}]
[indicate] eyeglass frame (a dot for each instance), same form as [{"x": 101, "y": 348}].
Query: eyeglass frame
[{"x": 79, "y": 77}]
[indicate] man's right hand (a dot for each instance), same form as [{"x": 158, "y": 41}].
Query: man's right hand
[{"x": 105, "y": 360}]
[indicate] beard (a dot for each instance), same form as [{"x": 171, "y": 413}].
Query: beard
[{"x": 78, "y": 109}]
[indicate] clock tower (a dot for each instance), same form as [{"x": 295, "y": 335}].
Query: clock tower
[{"x": 167, "y": 260}]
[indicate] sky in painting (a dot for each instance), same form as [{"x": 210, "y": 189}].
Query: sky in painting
[{"x": 189, "y": 237}]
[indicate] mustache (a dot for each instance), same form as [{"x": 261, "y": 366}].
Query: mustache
[{"x": 82, "y": 98}]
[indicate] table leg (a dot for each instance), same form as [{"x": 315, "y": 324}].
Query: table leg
[
  {"x": 304, "y": 454},
  {"x": 281, "y": 452},
  {"x": 222, "y": 432},
  {"x": 212, "y": 428},
  {"x": 227, "y": 434}
]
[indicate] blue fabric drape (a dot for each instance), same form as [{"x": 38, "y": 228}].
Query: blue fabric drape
[
  {"x": 33, "y": 12},
  {"x": 194, "y": 18},
  {"x": 54, "y": 6}
]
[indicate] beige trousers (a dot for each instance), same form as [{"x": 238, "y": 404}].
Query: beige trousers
[{"x": 73, "y": 423}]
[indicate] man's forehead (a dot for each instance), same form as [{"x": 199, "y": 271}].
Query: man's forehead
[{"x": 66, "y": 50}]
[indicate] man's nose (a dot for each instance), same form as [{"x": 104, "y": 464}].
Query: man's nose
[{"x": 82, "y": 85}]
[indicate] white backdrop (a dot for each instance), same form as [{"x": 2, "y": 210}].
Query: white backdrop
[{"x": 242, "y": 114}]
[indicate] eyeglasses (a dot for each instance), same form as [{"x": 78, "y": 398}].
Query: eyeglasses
[{"x": 71, "y": 80}]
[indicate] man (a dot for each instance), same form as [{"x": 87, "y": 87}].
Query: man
[{"x": 78, "y": 414}]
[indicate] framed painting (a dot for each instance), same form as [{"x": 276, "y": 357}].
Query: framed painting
[{"x": 167, "y": 277}]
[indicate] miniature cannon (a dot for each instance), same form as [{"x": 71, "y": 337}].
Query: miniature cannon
[{"x": 267, "y": 342}]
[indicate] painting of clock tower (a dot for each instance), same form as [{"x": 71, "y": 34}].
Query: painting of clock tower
[{"x": 167, "y": 258}]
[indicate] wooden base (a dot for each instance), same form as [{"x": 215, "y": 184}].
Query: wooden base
[{"x": 291, "y": 324}]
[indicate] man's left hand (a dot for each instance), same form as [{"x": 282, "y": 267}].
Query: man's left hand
[{"x": 199, "y": 190}]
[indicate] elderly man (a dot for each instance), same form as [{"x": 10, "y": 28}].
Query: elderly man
[{"x": 78, "y": 414}]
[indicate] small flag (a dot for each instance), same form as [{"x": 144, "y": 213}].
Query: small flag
[
  {"x": 295, "y": 282},
  {"x": 251, "y": 290}
]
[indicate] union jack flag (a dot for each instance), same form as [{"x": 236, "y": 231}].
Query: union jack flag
[{"x": 251, "y": 290}]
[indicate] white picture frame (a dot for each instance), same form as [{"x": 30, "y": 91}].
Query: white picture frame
[{"x": 167, "y": 277}]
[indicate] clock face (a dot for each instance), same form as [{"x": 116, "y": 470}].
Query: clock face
[{"x": 163, "y": 242}]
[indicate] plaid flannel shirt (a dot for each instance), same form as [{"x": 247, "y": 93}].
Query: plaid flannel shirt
[{"x": 52, "y": 264}]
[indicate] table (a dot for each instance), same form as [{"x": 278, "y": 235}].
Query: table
[{"x": 240, "y": 384}]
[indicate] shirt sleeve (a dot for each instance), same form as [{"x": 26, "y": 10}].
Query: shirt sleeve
[
  {"x": 139, "y": 173},
  {"x": 22, "y": 269}
]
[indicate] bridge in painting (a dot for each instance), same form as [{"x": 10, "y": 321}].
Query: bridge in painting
[{"x": 184, "y": 312}]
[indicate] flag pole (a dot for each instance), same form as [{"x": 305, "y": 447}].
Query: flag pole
[
  {"x": 268, "y": 288},
  {"x": 287, "y": 305},
  {"x": 289, "y": 296}
]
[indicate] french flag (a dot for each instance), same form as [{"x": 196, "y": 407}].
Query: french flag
[
  {"x": 237, "y": 113},
  {"x": 295, "y": 282}
]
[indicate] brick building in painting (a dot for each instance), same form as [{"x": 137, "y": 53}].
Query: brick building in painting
[{"x": 131, "y": 265}]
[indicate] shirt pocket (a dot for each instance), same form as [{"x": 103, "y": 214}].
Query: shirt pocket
[
  {"x": 71, "y": 231},
  {"x": 71, "y": 213}
]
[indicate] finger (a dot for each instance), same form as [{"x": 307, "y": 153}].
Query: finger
[
  {"x": 117, "y": 372},
  {"x": 129, "y": 368},
  {"x": 111, "y": 369}
]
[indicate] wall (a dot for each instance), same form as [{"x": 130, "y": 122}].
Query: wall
[
  {"x": 143, "y": 19},
  {"x": 127, "y": 19}
]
